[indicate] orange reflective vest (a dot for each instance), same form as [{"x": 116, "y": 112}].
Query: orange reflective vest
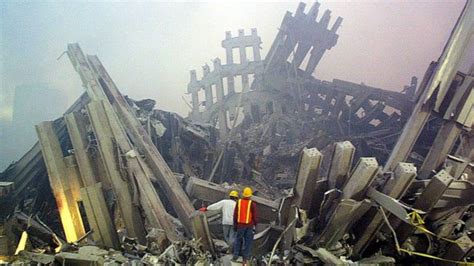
[{"x": 244, "y": 215}]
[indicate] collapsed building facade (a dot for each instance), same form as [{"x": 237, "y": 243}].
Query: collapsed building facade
[
  {"x": 343, "y": 172},
  {"x": 285, "y": 108}
]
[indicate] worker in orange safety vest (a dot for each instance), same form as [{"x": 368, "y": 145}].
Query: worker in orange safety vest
[{"x": 245, "y": 221}]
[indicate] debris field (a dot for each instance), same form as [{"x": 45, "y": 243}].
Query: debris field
[{"x": 343, "y": 173}]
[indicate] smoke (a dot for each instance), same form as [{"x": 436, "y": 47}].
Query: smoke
[{"x": 149, "y": 47}]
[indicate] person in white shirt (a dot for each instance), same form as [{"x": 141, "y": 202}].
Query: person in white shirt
[{"x": 226, "y": 206}]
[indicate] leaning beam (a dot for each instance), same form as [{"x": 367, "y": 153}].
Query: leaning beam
[
  {"x": 346, "y": 213},
  {"x": 108, "y": 151},
  {"x": 395, "y": 187},
  {"x": 307, "y": 176},
  {"x": 77, "y": 133},
  {"x": 166, "y": 179},
  {"x": 427, "y": 200},
  {"x": 361, "y": 178},
  {"x": 98, "y": 216},
  {"x": 57, "y": 171},
  {"x": 442, "y": 145},
  {"x": 212, "y": 192},
  {"x": 341, "y": 163},
  {"x": 201, "y": 231}
]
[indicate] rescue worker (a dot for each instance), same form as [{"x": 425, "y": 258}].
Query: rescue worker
[
  {"x": 245, "y": 221},
  {"x": 226, "y": 206}
]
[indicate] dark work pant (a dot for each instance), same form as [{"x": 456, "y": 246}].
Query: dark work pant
[
  {"x": 229, "y": 234},
  {"x": 243, "y": 242}
]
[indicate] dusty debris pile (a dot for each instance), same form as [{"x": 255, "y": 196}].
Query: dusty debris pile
[
  {"x": 343, "y": 173},
  {"x": 267, "y": 110}
]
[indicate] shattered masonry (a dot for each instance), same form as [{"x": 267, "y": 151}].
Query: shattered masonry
[{"x": 343, "y": 172}]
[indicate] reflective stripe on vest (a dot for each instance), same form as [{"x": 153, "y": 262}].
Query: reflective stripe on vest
[{"x": 244, "y": 216}]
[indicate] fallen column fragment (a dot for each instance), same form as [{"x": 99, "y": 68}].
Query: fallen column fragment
[
  {"x": 321, "y": 188},
  {"x": 121, "y": 120},
  {"x": 347, "y": 212},
  {"x": 139, "y": 173},
  {"x": 322, "y": 254},
  {"x": 98, "y": 216},
  {"x": 97, "y": 80},
  {"x": 457, "y": 167},
  {"x": 305, "y": 191},
  {"x": 201, "y": 231},
  {"x": 341, "y": 163},
  {"x": 39, "y": 235},
  {"x": 362, "y": 176},
  {"x": 451, "y": 128},
  {"x": 459, "y": 250},
  {"x": 67, "y": 204},
  {"x": 6, "y": 188},
  {"x": 307, "y": 176},
  {"x": 108, "y": 150},
  {"x": 395, "y": 187},
  {"x": 343, "y": 211},
  {"x": 435, "y": 90},
  {"x": 327, "y": 257},
  {"x": 427, "y": 200},
  {"x": 211, "y": 192},
  {"x": 390, "y": 204},
  {"x": 78, "y": 135}
]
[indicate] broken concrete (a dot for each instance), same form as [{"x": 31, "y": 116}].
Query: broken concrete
[{"x": 139, "y": 173}]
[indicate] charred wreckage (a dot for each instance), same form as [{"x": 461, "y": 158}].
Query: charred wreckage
[{"x": 343, "y": 173}]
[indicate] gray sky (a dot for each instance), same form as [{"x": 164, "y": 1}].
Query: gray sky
[{"x": 149, "y": 47}]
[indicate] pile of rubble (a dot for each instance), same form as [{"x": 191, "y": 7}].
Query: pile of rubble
[
  {"x": 343, "y": 173},
  {"x": 265, "y": 125}
]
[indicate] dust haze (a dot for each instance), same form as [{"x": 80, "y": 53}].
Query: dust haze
[{"x": 149, "y": 47}]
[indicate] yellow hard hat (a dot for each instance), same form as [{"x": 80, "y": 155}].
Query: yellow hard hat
[
  {"x": 247, "y": 192},
  {"x": 234, "y": 193}
]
